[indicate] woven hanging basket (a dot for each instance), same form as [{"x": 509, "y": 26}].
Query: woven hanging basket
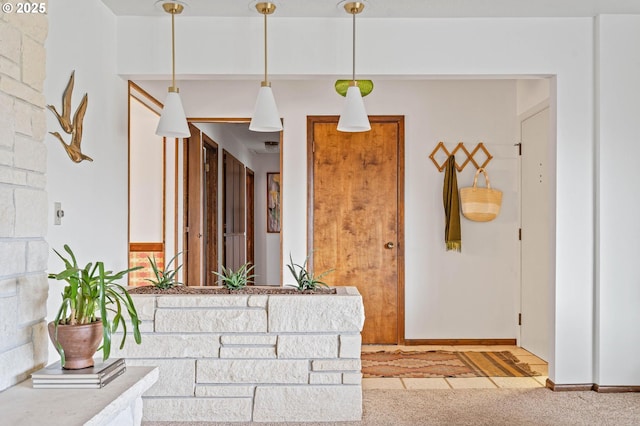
[{"x": 480, "y": 204}]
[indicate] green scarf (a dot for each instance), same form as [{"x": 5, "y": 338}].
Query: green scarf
[{"x": 452, "y": 233}]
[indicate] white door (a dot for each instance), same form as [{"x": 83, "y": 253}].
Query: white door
[{"x": 536, "y": 235}]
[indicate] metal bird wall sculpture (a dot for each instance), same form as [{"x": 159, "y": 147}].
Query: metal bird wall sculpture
[{"x": 73, "y": 128}]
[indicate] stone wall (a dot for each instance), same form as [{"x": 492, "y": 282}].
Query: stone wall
[
  {"x": 23, "y": 200},
  {"x": 263, "y": 358}
]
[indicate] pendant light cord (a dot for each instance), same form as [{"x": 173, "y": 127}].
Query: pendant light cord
[
  {"x": 173, "y": 51},
  {"x": 354, "y": 47},
  {"x": 265, "y": 49}
]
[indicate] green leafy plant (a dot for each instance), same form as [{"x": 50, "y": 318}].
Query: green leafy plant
[
  {"x": 304, "y": 278},
  {"x": 92, "y": 294},
  {"x": 235, "y": 280},
  {"x": 166, "y": 278}
]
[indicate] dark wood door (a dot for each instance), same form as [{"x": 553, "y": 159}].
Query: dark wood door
[
  {"x": 234, "y": 219},
  {"x": 210, "y": 260},
  {"x": 356, "y": 219}
]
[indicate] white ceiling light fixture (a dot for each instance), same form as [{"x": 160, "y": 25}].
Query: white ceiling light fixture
[
  {"x": 173, "y": 122},
  {"x": 354, "y": 117},
  {"x": 265, "y": 116}
]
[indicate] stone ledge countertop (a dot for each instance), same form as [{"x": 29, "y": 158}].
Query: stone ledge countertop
[{"x": 24, "y": 405}]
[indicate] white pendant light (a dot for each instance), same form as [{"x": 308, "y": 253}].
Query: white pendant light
[
  {"x": 265, "y": 116},
  {"x": 354, "y": 117},
  {"x": 173, "y": 122}
]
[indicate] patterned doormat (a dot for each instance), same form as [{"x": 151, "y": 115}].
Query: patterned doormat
[{"x": 443, "y": 364}]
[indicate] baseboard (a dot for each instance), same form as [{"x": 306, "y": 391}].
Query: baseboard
[
  {"x": 615, "y": 389},
  {"x": 594, "y": 387},
  {"x": 456, "y": 342},
  {"x": 569, "y": 388}
]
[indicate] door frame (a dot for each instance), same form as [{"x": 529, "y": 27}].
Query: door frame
[
  {"x": 192, "y": 207},
  {"x": 399, "y": 119},
  {"x": 250, "y": 203}
]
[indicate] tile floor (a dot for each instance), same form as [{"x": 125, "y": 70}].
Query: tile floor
[{"x": 534, "y": 362}]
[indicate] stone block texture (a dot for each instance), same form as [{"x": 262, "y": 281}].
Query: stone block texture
[
  {"x": 197, "y": 409},
  {"x": 237, "y": 358},
  {"x": 315, "y": 314},
  {"x": 253, "y": 371},
  {"x": 307, "y": 346},
  {"x": 23, "y": 200},
  {"x": 176, "y": 377},
  {"x": 308, "y": 404},
  {"x": 210, "y": 320}
]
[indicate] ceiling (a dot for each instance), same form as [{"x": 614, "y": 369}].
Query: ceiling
[
  {"x": 388, "y": 8},
  {"x": 240, "y": 133},
  {"x": 254, "y": 141}
]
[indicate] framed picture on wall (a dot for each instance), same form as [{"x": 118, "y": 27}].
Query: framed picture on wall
[{"x": 273, "y": 202}]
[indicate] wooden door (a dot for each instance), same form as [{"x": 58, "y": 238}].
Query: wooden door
[
  {"x": 536, "y": 235},
  {"x": 355, "y": 217},
  {"x": 193, "y": 197},
  {"x": 210, "y": 260},
  {"x": 234, "y": 221}
]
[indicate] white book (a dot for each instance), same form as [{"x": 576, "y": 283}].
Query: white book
[
  {"x": 100, "y": 369},
  {"x": 79, "y": 384},
  {"x": 74, "y": 379}
]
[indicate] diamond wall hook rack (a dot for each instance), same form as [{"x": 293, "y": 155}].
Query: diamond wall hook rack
[{"x": 460, "y": 147}]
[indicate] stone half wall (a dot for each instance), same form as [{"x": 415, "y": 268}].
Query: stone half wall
[{"x": 262, "y": 358}]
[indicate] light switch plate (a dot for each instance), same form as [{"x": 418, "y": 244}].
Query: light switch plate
[{"x": 58, "y": 213}]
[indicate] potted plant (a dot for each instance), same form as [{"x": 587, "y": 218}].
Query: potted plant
[
  {"x": 93, "y": 308},
  {"x": 305, "y": 279},
  {"x": 235, "y": 280},
  {"x": 166, "y": 278}
]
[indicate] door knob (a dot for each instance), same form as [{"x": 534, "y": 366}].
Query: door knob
[{"x": 389, "y": 245}]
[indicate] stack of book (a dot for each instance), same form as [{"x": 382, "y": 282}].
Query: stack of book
[{"x": 55, "y": 377}]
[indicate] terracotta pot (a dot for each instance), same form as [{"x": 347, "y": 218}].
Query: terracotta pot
[{"x": 79, "y": 343}]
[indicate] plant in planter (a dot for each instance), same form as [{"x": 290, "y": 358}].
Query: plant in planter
[
  {"x": 92, "y": 307},
  {"x": 166, "y": 278},
  {"x": 305, "y": 279},
  {"x": 235, "y": 280}
]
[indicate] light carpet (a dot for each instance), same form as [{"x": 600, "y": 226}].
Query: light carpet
[{"x": 517, "y": 407}]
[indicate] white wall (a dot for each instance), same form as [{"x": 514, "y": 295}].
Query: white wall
[
  {"x": 146, "y": 175},
  {"x": 93, "y": 194},
  {"x": 618, "y": 228},
  {"x": 531, "y": 92},
  {"x": 447, "y": 293}
]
